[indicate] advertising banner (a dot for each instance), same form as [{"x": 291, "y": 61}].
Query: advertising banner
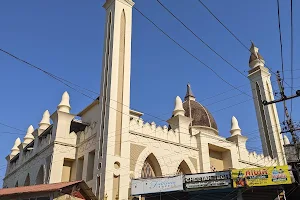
[
  {"x": 207, "y": 180},
  {"x": 156, "y": 185},
  {"x": 261, "y": 176}
]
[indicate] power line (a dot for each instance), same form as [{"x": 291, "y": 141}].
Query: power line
[
  {"x": 11, "y": 127},
  {"x": 170, "y": 12},
  {"x": 188, "y": 52},
  {"x": 223, "y": 24},
  {"x": 292, "y": 56},
  {"x": 234, "y": 34},
  {"x": 280, "y": 39},
  {"x": 200, "y": 38}
]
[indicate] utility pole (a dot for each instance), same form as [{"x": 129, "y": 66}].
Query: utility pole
[{"x": 291, "y": 150}]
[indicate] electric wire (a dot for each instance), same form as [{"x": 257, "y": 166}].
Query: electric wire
[
  {"x": 292, "y": 56},
  {"x": 191, "y": 54},
  {"x": 280, "y": 40},
  {"x": 201, "y": 2}
]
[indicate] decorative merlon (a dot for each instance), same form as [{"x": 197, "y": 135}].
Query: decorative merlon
[
  {"x": 28, "y": 137},
  {"x": 161, "y": 132},
  {"x": 64, "y": 105},
  {"x": 15, "y": 149},
  {"x": 45, "y": 122}
]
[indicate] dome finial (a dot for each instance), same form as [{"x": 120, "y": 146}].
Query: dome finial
[
  {"x": 45, "y": 122},
  {"x": 255, "y": 58},
  {"x": 178, "y": 110},
  {"x": 189, "y": 94},
  {"x": 29, "y": 137},
  {"x": 235, "y": 128},
  {"x": 64, "y": 105},
  {"x": 286, "y": 140},
  {"x": 15, "y": 150}
]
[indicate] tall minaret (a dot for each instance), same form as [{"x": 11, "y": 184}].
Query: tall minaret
[
  {"x": 267, "y": 116},
  {"x": 114, "y": 103}
]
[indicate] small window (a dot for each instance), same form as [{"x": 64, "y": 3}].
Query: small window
[{"x": 90, "y": 166}]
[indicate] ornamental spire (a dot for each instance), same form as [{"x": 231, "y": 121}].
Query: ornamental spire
[
  {"x": 189, "y": 94},
  {"x": 235, "y": 128},
  {"x": 64, "y": 105},
  {"x": 178, "y": 110},
  {"x": 255, "y": 58}
]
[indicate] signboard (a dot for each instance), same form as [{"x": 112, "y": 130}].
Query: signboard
[
  {"x": 261, "y": 176},
  {"x": 156, "y": 185},
  {"x": 207, "y": 180}
]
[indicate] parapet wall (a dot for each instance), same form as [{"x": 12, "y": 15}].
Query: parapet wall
[{"x": 137, "y": 125}]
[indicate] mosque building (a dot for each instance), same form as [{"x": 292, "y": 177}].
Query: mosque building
[{"x": 108, "y": 144}]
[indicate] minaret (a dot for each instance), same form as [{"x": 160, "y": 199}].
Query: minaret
[
  {"x": 267, "y": 116},
  {"x": 114, "y": 103}
]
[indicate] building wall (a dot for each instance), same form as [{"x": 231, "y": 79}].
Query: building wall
[{"x": 31, "y": 166}]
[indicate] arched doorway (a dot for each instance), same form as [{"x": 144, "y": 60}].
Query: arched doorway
[
  {"x": 151, "y": 167},
  {"x": 17, "y": 184},
  {"x": 40, "y": 176},
  {"x": 183, "y": 168},
  {"x": 27, "y": 180}
]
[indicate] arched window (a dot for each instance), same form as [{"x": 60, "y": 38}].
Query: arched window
[
  {"x": 40, "y": 176},
  {"x": 151, "y": 167},
  {"x": 27, "y": 180},
  {"x": 183, "y": 168}
]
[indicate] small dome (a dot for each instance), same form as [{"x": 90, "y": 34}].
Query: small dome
[{"x": 200, "y": 115}]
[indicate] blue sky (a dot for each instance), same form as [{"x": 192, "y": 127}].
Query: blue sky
[{"x": 66, "y": 39}]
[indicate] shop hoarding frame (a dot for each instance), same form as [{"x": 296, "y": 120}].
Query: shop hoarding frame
[
  {"x": 207, "y": 181},
  {"x": 156, "y": 185},
  {"x": 263, "y": 176}
]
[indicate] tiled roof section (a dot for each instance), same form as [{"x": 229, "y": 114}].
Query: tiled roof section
[
  {"x": 200, "y": 115},
  {"x": 253, "y": 57},
  {"x": 36, "y": 188},
  {"x": 64, "y": 187}
]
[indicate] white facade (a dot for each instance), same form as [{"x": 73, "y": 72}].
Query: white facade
[{"x": 111, "y": 144}]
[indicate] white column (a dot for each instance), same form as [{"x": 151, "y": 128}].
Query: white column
[
  {"x": 114, "y": 101},
  {"x": 267, "y": 116}
]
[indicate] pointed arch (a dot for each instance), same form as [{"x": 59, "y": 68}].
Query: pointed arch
[
  {"x": 27, "y": 180},
  {"x": 17, "y": 184},
  {"x": 183, "y": 168},
  {"x": 40, "y": 178},
  {"x": 151, "y": 167}
]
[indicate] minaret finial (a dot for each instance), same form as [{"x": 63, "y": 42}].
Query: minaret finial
[
  {"x": 235, "y": 128},
  {"x": 178, "y": 110},
  {"x": 189, "y": 93},
  {"x": 255, "y": 58}
]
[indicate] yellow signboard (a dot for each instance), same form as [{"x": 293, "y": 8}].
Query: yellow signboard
[{"x": 261, "y": 176}]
